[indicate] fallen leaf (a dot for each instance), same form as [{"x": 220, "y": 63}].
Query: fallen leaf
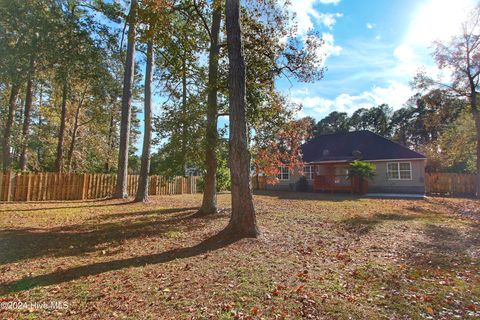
[
  {"x": 254, "y": 311},
  {"x": 430, "y": 311}
]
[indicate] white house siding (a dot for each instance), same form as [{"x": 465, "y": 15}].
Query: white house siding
[{"x": 381, "y": 183}]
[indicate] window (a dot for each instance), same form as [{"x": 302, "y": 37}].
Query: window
[
  {"x": 405, "y": 171},
  {"x": 399, "y": 171},
  {"x": 341, "y": 171},
  {"x": 308, "y": 172},
  {"x": 341, "y": 176},
  {"x": 392, "y": 171},
  {"x": 284, "y": 173}
]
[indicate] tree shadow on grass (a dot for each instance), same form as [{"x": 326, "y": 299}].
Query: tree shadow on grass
[
  {"x": 124, "y": 215},
  {"x": 446, "y": 247},
  {"x": 88, "y": 204},
  {"x": 212, "y": 243},
  {"x": 469, "y": 208},
  {"x": 361, "y": 225},
  {"x": 73, "y": 240}
]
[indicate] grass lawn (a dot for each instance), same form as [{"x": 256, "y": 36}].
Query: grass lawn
[{"x": 319, "y": 257}]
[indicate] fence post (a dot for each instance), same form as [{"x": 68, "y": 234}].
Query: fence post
[
  {"x": 9, "y": 185},
  {"x": 153, "y": 185},
  {"x": 2, "y": 180},
  {"x": 8, "y": 188},
  {"x": 83, "y": 187},
  {"x": 29, "y": 182}
]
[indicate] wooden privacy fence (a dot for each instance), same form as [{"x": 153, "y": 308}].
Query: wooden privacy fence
[
  {"x": 450, "y": 183},
  {"x": 82, "y": 186},
  {"x": 259, "y": 182}
]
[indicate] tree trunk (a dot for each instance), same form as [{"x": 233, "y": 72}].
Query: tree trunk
[
  {"x": 183, "y": 149},
  {"x": 27, "y": 115},
  {"x": 209, "y": 202},
  {"x": 476, "y": 116},
  {"x": 75, "y": 131},
  {"x": 142, "y": 191},
  {"x": 40, "y": 122},
  {"x": 73, "y": 141},
  {"x": 122, "y": 174},
  {"x": 110, "y": 143},
  {"x": 243, "y": 221},
  {"x": 6, "y": 145},
  {"x": 61, "y": 132}
]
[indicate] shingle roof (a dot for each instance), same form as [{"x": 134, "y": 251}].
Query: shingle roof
[{"x": 364, "y": 145}]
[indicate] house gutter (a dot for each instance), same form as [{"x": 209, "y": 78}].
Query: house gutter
[
  {"x": 404, "y": 159},
  {"x": 379, "y": 160}
]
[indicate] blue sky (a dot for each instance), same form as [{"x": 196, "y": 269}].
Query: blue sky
[{"x": 373, "y": 48}]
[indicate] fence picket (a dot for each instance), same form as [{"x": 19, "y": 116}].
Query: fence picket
[
  {"x": 45, "y": 186},
  {"x": 450, "y": 183}
]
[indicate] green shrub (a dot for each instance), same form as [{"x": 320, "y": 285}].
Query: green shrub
[
  {"x": 200, "y": 184},
  {"x": 223, "y": 180},
  {"x": 223, "y": 174},
  {"x": 362, "y": 169}
]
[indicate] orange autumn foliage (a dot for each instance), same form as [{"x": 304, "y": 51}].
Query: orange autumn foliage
[{"x": 285, "y": 149}]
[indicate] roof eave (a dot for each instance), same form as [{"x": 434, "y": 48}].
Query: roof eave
[
  {"x": 374, "y": 160},
  {"x": 398, "y": 159}
]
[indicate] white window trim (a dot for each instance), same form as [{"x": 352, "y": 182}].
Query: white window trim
[
  {"x": 398, "y": 170},
  {"x": 281, "y": 173},
  {"x": 311, "y": 174}
]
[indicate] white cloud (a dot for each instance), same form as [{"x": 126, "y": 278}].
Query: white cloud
[
  {"x": 305, "y": 11},
  {"x": 329, "y": 19},
  {"x": 395, "y": 94},
  {"x": 409, "y": 61},
  {"x": 335, "y": 2},
  {"x": 370, "y": 25},
  {"x": 329, "y": 47}
]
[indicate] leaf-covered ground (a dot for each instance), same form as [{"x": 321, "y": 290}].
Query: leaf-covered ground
[{"x": 319, "y": 257}]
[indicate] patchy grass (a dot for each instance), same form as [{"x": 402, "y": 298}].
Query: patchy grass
[{"x": 319, "y": 257}]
